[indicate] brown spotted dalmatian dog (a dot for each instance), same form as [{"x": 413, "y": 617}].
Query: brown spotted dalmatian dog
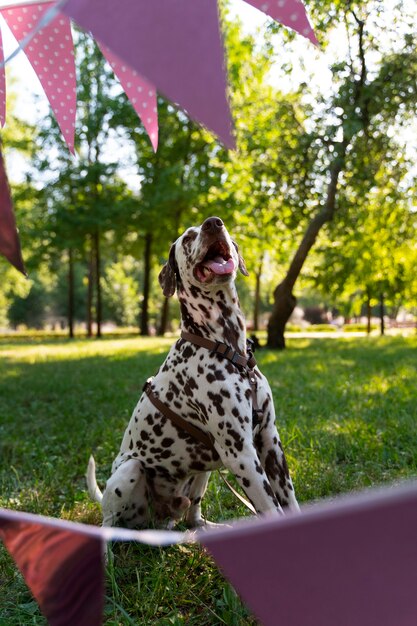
[{"x": 161, "y": 471}]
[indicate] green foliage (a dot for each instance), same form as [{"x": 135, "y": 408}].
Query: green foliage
[
  {"x": 363, "y": 190},
  {"x": 120, "y": 290},
  {"x": 30, "y": 310},
  {"x": 371, "y": 254},
  {"x": 12, "y": 285}
]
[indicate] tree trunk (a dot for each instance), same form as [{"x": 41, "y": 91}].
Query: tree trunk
[
  {"x": 97, "y": 259},
  {"x": 163, "y": 323},
  {"x": 284, "y": 300},
  {"x": 381, "y": 314},
  {"x": 368, "y": 312},
  {"x": 70, "y": 294},
  {"x": 90, "y": 278},
  {"x": 144, "y": 314},
  {"x": 284, "y": 305}
]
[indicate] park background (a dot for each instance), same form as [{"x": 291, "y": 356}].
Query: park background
[{"x": 321, "y": 197}]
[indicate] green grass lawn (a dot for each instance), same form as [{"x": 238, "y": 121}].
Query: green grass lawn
[{"x": 347, "y": 415}]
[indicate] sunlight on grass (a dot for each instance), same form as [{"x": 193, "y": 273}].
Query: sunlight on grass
[{"x": 85, "y": 348}]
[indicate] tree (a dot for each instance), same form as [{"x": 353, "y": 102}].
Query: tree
[
  {"x": 120, "y": 291},
  {"x": 368, "y": 98},
  {"x": 371, "y": 258},
  {"x": 86, "y": 200}
]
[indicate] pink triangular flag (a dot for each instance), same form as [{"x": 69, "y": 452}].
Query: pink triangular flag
[
  {"x": 350, "y": 563},
  {"x": 9, "y": 238},
  {"x": 176, "y": 45},
  {"x": 140, "y": 92},
  {"x": 291, "y": 13},
  {"x": 51, "y": 55},
  {"x": 2, "y": 85},
  {"x": 62, "y": 568}
]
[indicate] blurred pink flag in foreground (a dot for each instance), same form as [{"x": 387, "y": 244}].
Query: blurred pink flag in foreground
[
  {"x": 9, "y": 238},
  {"x": 46, "y": 39},
  {"x": 176, "y": 46},
  {"x": 62, "y": 568},
  {"x": 2, "y": 85},
  {"x": 351, "y": 562}
]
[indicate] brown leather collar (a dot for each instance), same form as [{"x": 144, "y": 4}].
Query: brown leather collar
[{"x": 223, "y": 349}]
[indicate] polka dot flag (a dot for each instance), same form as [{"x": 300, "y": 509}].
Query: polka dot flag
[
  {"x": 51, "y": 55},
  {"x": 291, "y": 13},
  {"x": 140, "y": 92}
]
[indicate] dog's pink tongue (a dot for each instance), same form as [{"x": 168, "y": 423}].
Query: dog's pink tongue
[{"x": 218, "y": 265}]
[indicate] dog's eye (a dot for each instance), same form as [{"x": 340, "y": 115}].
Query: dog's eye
[{"x": 186, "y": 239}]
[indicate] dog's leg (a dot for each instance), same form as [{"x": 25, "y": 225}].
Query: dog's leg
[
  {"x": 197, "y": 490},
  {"x": 125, "y": 497},
  {"x": 272, "y": 457},
  {"x": 248, "y": 471}
]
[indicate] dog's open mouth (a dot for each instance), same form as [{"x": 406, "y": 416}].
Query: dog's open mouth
[{"x": 217, "y": 262}]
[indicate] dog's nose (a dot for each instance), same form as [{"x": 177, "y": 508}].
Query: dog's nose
[{"x": 212, "y": 225}]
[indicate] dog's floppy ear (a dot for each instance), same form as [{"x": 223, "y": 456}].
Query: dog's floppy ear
[
  {"x": 168, "y": 274},
  {"x": 242, "y": 265}
]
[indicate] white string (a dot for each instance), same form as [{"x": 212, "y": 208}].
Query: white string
[
  {"x": 43, "y": 22},
  {"x": 150, "y": 537},
  {"x": 6, "y": 4}
]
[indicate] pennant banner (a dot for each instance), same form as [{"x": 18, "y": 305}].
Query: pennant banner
[
  {"x": 175, "y": 45},
  {"x": 2, "y": 85},
  {"x": 347, "y": 563},
  {"x": 62, "y": 562},
  {"x": 158, "y": 43},
  {"x": 46, "y": 39},
  {"x": 51, "y": 55},
  {"x": 9, "y": 238},
  {"x": 141, "y": 94},
  {"x": 62, "y": 568},
  {"x": 291, "y": 13}
]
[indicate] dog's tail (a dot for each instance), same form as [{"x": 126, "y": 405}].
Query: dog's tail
[{"x": 93, "y": 488}]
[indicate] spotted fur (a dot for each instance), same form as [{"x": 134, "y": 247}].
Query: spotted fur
[{"x": 161, "y": 472}]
